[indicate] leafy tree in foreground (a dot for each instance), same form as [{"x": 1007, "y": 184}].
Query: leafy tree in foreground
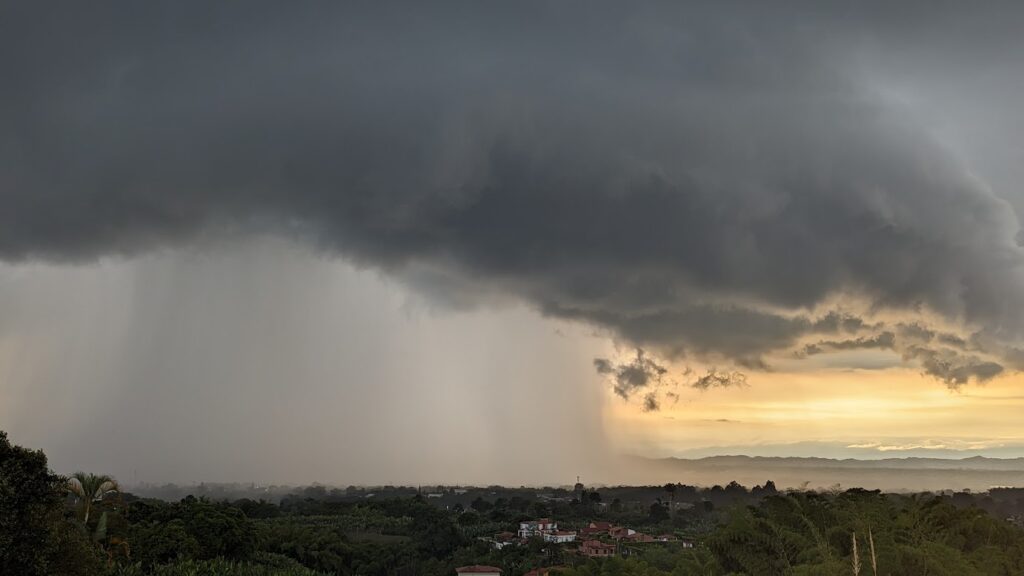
[
  {"x": 34, "y": 538},
  {"x": 193, "y": 527},
  {"x": 218, "y": 567},
  {"x": 30, "y": 503}
]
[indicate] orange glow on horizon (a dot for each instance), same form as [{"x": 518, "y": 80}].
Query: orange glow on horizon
[{"x": 890, "y": 411}]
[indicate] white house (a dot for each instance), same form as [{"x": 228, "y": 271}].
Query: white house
[
  {"x": 560, "y": 537},
  {"x": 538, "y": 527}
]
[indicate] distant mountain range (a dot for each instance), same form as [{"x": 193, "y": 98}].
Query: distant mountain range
[
  {"x": 915, "y": 462},
  {"x": 891, "y": 474}
]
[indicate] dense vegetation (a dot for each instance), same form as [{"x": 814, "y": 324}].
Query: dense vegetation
[{"x": 86, "y": 526}]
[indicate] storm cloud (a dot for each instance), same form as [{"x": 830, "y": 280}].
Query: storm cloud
[
  {"x": 651, "y": 402},
  {"x": 719, "y": 379},
  {"x": 882, "y": 341},
  {"x": 943, "y": 356},
  {"x": 697, "y": 179},
  {"x": 638, "y": 374},
  {"x": 645, "y": 374}
]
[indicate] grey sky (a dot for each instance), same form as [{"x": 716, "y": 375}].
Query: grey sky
[{"x": 710, "y": 181}]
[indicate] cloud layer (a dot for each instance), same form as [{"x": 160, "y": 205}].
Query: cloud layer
[{"x": 699, "y": 180}]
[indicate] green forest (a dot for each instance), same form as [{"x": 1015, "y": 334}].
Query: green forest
[{"x": 86, "y": 525}]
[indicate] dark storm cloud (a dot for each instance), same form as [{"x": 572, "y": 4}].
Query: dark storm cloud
[
  {"x": 840, "y": 322},
  {"x": 651, "y": 402},
  {"x": 640, "y": 373},
  {"x": 882, "y": 341},
  {"x": 738, "y": 332},
  {"x": 644, "y": 373},
  {"x": 719, "y": 379},
  {"x": 915, "y": 331},
  {"x": 688, "y": 176},
  {"x": 952, "y": 367},
  {"x": 946, "y": 357},
  {"x": 604, "y": 366},
  {"x": 952, "y": 340}
]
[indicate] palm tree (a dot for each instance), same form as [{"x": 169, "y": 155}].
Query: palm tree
[
  {"x": 671, "y": 489},
  {"x": 89, "y": 488}
]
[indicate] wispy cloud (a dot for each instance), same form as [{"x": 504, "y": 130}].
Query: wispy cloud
[{"x": 943, "y": 445}]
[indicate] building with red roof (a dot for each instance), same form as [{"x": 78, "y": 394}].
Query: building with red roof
[
  {"x": 620, "y": 532},
  {"x": 597, "y": 549}
]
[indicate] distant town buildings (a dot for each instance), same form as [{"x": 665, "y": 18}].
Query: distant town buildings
[
  {"x": 560, "y": 537},
  {"x": 597, "y": 549},
  {"x": 501, "y": 540},
  {"x": 619, "y": 532},
  {"x": 595, "y": 529},
  {"x": 599, "y": 539},
  {"x": 539, "y": 527}
]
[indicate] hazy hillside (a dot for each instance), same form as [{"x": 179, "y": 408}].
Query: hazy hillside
[{"x": 896, "y": 474}]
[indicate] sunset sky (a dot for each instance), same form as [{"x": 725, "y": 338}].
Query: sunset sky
[{"x": 414, "y": 242}]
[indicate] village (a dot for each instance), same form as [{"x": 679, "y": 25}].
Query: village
[{"x": 596, "y": 539}]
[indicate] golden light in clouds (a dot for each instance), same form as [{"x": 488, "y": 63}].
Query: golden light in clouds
[{"x": 890, "y": 412}]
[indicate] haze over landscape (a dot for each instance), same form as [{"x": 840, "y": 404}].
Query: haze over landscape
[{"x": 516, "y": 243}]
